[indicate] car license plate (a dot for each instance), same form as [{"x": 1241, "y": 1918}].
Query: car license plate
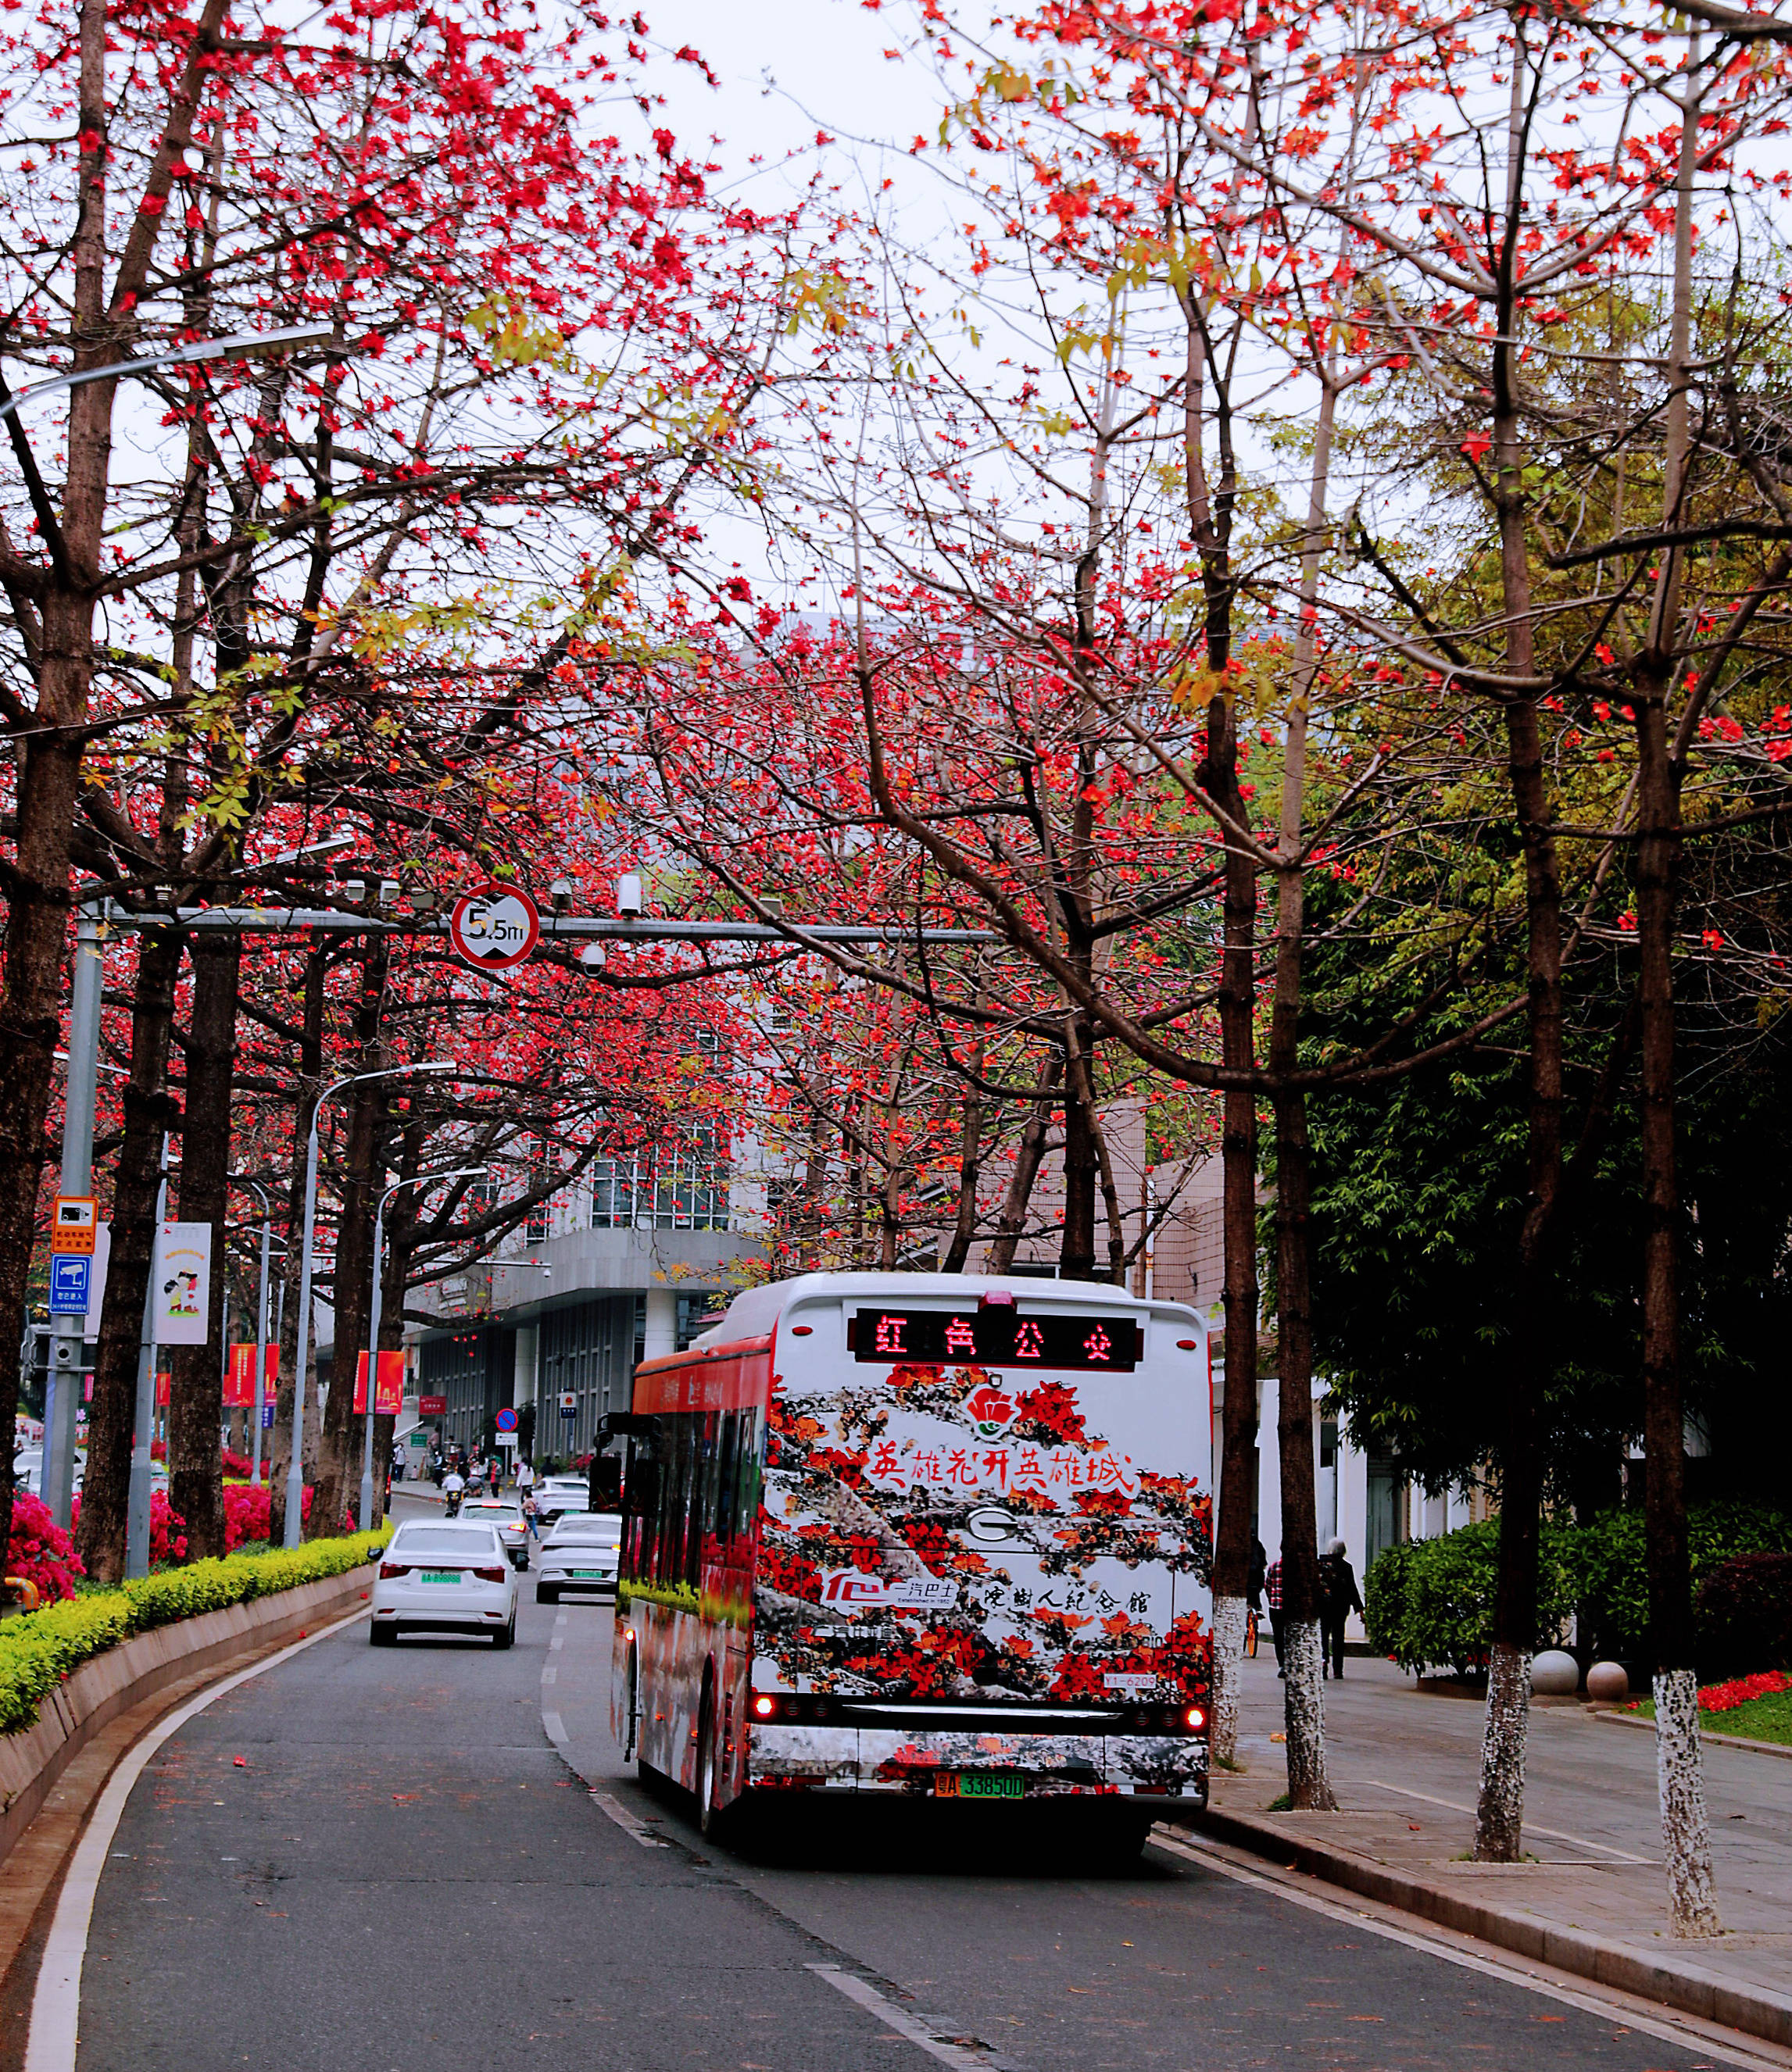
[
  {"x": 441, "y": 1575},
  {"x": 979, "y": 1784},
  {"x": 587, "y": 1575}
]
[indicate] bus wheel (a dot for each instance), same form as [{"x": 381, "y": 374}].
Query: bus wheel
[{"x": 709, "y": 1816}]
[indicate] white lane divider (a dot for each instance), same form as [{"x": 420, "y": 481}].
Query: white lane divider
[
  {"x": 55, "y": 2003},
  {"x": 550, "y": 1675},
  {"x": 556, "y": 1727},
  {"x": 931, "y": 2033},
  {"x": 626, "y": 1820}
]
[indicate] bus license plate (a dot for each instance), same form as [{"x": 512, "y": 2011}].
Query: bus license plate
[
  {"x": 979, "y": 1784},
  {"x": 441, "y": 1575}
]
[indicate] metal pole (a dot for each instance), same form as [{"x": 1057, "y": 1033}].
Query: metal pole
[
  {"x": 261, "y": 1335},
  {"x": 137, "y": 1515},
  {"x": 373, "y": 1365},
  {"x": 68, "y": 1334},
  {"x": 295, "y": 1470}
]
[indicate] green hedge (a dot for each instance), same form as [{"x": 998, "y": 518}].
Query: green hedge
[
  {"x": 1430, "y": 1602},
  {"x": 39, "y": 1649}
]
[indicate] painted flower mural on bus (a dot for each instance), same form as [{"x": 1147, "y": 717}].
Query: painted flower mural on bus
[{"x": 948, "y": 1535}]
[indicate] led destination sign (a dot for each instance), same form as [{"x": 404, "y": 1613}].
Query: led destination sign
[{"x": 994, "y": 1337}]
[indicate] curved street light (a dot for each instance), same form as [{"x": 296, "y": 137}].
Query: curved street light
[{"x": 295, "y": 1469}]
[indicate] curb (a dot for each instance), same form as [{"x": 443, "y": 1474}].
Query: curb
[
  {"x": 1781, "y": 1749},
  {"x": 1750, "y": 2009},
  {"x": 99, "y": 1689}
]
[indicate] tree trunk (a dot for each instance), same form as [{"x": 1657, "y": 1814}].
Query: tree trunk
[
  {"x": 150, "y": 1111},
  {"x": 1030, "y": 1151},
  {"x": 340, "y": 1447},
  {"x": 1076, "y": 1256},
  {"x": 1239, "y": 1413},
  {"x": 1499, "y": 1811},
  {"x": 196, "y": 1391},
  {"x": 1686, "y": 1825},
  {"x": 970, "y": 1139}
]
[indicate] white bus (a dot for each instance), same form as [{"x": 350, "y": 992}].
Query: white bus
[{"x": 924, "y": 1534}]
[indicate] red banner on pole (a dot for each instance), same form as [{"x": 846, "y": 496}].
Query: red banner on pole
[
  {"x": 163, "y": 1382},
  {"x": 239, "y": 1384},
  {"x": 388, "y": 1396}
]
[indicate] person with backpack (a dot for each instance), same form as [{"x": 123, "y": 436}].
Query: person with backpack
[{"x": 1338, "y": 1598}]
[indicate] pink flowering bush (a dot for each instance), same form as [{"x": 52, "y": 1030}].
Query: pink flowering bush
[
  {"x": 168, "y": 1530},
  {"x": 246, "y": 1514},
  {"x": 40, "y": 1551}
]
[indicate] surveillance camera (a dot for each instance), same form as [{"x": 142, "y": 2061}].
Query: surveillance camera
[{"x": 628, "y": 898}]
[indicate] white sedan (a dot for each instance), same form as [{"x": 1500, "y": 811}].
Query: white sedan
[
  {"x": 507, "y": 1518},
  {"x": 579, "y": 1554},
  {"x": 559, "y": 1494},
  {"x": 439, "y": 1576}
]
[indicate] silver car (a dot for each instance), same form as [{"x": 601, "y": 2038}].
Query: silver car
[{"x": 579, "y": 1554}]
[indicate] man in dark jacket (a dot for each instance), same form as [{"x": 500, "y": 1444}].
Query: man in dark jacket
[{"x": 1338, "y": 1598}]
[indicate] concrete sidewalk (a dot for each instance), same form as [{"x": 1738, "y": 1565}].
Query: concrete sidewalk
[{"x": 1405, "y": 1763}]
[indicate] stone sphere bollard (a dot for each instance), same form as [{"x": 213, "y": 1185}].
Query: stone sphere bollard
[
  {"x": 1554, "y": 1674},
  {"x": 1607, "y": 1682}
]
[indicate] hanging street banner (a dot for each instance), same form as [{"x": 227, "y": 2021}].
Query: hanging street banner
[
  {"x": 239, "y": 1384},
  {"x": 494, "y": 926},
  {"x": 164, "y": 1388},
  {"x": 180, "y": 1292},
  {"x": 389, "y": 1394}
]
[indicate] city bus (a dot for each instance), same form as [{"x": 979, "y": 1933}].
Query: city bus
[{"x": 929, "y": 1536}]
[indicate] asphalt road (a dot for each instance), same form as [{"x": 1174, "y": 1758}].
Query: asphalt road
[{"x": 378, "y": 1860}]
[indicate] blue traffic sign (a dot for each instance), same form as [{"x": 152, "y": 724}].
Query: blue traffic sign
[
  {"x": 506, "y": 1420},
  {"x": 71, "y": 1283},
  {"x": 267, "y": 1416}
]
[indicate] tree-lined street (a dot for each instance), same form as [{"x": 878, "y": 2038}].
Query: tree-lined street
[{"x": 399, "y": 1825}]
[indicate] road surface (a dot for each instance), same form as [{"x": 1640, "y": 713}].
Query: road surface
[{"x": 378, "y": 1859}]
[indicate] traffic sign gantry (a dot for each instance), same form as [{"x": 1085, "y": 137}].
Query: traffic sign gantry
[{"x": 494, "y": 926}]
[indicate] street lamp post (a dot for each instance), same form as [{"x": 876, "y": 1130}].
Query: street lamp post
[
  {"x": 239, "y": 345},
  {"x": 295, "y": 1470},
  {"x": 398, "y": 1186},
  {"x": 137, "y": 1498}
]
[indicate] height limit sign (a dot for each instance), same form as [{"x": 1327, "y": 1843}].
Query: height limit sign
[{"x": 494, "y": 926}]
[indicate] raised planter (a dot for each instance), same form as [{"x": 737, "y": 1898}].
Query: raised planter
[{"x": 110, "y": 1683}]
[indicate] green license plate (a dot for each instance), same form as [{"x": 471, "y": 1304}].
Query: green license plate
[
  {"x": 587, "y": 1575},
  {"x": 979, "y": 1784},
  {"x": 441, "y": 1575}
]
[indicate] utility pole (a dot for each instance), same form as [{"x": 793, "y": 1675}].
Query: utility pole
[
  {"x": 137, "y": 1511},
  {"x": 68, "y": 1333}
]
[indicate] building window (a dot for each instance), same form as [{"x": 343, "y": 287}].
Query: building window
[{"x": 670, "y": 1186}]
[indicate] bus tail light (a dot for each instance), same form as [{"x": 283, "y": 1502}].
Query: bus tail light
[
  {"x": 764, "y": 1708},
  {"x": 1195, "y": 1718}
]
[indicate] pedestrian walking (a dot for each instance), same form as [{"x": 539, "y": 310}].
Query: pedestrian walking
[
  {"x": 1272, "y": 1597},
  {"x": 526, "y": 1479},
  {"x": 492, "y": 1474},
  {"x": 1253, "y": 1577},
  {"x": 530, "y": 1514},
  {"x": 1338, "y": 1598}
]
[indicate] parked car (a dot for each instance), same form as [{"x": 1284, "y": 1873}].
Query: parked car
[
  {"x": 507, "y": 1518},
  {"x": 579, "y": 1554},
  {"x": 438, "y": 1577},
  {"x": 559, "y": 1494}
]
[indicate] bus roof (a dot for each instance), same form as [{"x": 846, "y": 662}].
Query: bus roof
[{"x": 759, "y": 1311}]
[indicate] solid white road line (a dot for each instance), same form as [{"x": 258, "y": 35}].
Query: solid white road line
[
  {"x": 626, "y": 1820},
  {"x": 556, "y": 1732},
  {"x": 1624, "y": 2009},
  {"x": 928, "y": 2032},
  {"x": 55, "y": 2003}
]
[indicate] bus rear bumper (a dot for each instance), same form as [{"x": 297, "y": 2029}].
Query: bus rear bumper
[{"x": 875, "y": 1760}]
